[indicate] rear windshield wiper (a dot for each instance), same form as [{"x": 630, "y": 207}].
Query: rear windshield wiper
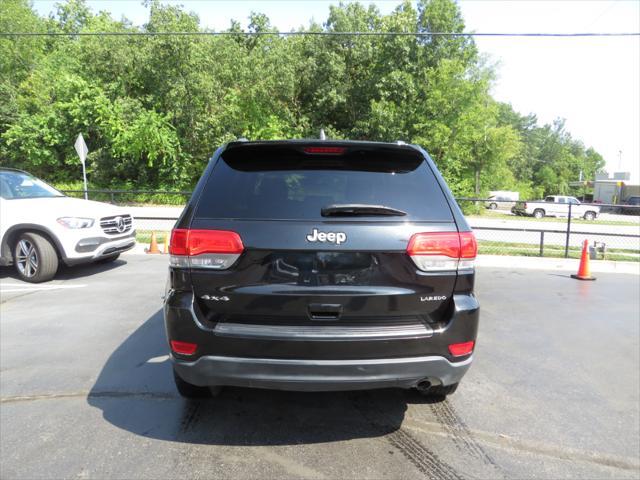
[{"x": 350, "y": 209}]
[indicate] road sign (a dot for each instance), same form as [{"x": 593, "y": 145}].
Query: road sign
[{"x": 82, "y": 149}]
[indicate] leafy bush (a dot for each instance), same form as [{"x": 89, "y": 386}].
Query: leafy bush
[{"x": 154, "y": 109}]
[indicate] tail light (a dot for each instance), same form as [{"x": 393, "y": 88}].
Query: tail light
[
  {"x": 461, "y": 349},
  {"x": 215, "y": 249},
  {"x": 183, "y": 348},
  {"x": 443, "y": 251}
]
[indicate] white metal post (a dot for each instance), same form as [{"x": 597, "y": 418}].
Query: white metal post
[
  {"x": 82, "y": 150},
  {"x": 84, "y": 177}
]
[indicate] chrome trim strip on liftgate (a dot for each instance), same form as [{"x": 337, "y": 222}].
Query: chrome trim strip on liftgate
[{"x": 322, "y": 332}]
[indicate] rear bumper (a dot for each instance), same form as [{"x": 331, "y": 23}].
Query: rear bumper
[
  {"x": 320, "y": 375},
  {"x": 318, "y": 357}
]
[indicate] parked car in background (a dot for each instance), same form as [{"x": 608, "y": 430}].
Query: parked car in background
[
  {"x": 40, "y": 227},
  {"x": 499, "y": 202},
  {"x": 631, "y": 206},
  {"x": 321, "y": 265},
  {"x": 557, "y": 206}
]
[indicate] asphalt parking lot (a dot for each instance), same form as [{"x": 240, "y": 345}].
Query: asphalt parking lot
[{"x": 86, "y": 391}]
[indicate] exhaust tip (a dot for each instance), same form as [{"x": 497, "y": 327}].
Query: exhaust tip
[{"x": 423, "y": 385}]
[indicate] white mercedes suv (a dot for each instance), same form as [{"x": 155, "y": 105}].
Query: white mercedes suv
[{"x": 40, "y": 227}]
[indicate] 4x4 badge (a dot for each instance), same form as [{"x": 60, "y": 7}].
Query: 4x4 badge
[
  {"x": 331, "y": 237},
  {"x": 224, "y": 298}
]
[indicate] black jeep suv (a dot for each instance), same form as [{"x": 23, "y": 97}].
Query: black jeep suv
[{"x": 321, "y": 265}]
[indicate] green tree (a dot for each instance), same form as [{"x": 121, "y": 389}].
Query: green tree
[{"x": 153, "y": 109}]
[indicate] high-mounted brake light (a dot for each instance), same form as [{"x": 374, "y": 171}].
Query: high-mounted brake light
[
  {"x": 443, "y": 251},
  {"x": 325, "y": 150},
  {"x": 217, "y": 249}
]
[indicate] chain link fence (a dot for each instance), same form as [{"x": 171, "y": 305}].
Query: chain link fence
[
  {"x": 546, "y": 229},
  {"x": 502, "y": 227},
  {"x": 160, "y": 226},
  {"x": 133, "y": 197}
]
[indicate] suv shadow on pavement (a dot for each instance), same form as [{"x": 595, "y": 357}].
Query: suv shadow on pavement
[{"x": 135, "y": 392}]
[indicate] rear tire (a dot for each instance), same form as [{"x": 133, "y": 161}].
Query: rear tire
[
  {"x": 35, "y": 258},
  {"x": 109, "y": 259},
  {"x": 538, "y": 213},
  {"x": 440, "y": 391},
  {"x": 188, "y": 390}
]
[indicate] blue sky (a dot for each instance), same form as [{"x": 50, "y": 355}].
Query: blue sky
[{"x": 594, "y": 83}]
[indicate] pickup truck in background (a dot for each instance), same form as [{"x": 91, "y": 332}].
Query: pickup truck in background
[
  {"x": 631, "y": 206},
  {"x": 557, "y": 206}
]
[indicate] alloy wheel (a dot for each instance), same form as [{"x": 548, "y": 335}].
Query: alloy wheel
[{"x": 27, "y": 258}]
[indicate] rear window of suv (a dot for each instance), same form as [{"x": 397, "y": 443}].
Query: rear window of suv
[{"x": 276, "y": 182}]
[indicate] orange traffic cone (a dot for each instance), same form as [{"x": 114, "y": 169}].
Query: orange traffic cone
[
  {"x": 165, "y": 248},
  {"x": 584, "y": 272},
  {"x": 153, "y": 246}
]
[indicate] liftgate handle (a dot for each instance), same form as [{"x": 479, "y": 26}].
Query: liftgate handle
[{"x": 325, "y": 311}]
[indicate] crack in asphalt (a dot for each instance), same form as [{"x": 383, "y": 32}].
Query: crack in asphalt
[
  {"x": 88, "y": 394},
  {"x": 33, "y": 288},
  {"x": 528, "y": 446},
  {"x": 2, "y": 302},
  {"x": 404, "y": 441}
]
